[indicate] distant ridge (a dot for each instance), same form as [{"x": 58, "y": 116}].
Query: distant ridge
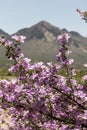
[
  {"x": 3, "y": 33},
  {"x": 39, "y": 30},
  {"x": 41, "y": 45}
]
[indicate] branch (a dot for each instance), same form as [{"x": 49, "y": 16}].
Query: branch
[{"x": 70, "y": 98}]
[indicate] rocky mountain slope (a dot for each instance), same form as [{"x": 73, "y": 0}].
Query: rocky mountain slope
[{"x": 41, "y": 45}]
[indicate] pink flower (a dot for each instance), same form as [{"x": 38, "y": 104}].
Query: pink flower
[
  {"x": 73, "y": 72},
  {"x": 84, "y": 77},
  {"x": 68, "y": 52},
  {"x": 82, "y": 13},
  {"x": 19, "y": 38},
  {"x": 9, "y": 43},
  {"x": 63, "y": 38},
  {"x": 71, "y": 61},
  {"x": 2, "y": 40},
  {"x": 25, "y": 63},
  {"x": 1, "y": 93},
  {"x": 85, "y": 65}
]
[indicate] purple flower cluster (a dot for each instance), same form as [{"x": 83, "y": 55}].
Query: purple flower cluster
[
  {"x": 40, "y": 98},
  {"x": 63, "y": 39}
]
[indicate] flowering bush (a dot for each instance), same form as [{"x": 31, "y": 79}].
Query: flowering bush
[
  {"x": 40, "y": 98},
  {"x": 83, "y": 14}
]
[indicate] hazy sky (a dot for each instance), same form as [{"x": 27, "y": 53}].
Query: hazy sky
[{"x": 18, "y": 14}]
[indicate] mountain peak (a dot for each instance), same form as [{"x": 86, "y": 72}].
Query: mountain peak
[
  {"x": 41, "y": 30},
  {"x": 45, "y": 30},
  {"x": 41, "y": 42},
  {"x": 44, "y": 24}
]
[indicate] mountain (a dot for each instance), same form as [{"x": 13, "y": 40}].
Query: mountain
[
  {"x": 41, "y": 45},
  {"x": 3, "y": 34},
  {"x": 42, "y": 30}
]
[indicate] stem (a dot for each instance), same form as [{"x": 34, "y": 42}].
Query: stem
[{"x": 70, "y": 98}]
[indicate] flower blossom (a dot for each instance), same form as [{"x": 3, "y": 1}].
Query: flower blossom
[
  {"x": 63, "y": 38},
  {"x": 2, "y": 40},
  {"x": 85, "y": 65},
  {"x": 25, "y": 63},
  {"x": 82, "y": 13},
  {"x": 9, "y": 43},
  {"x": 84, "y": 77},
  {"x": 71, "y": 61},
  {"x": 19, "y": 38}
]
